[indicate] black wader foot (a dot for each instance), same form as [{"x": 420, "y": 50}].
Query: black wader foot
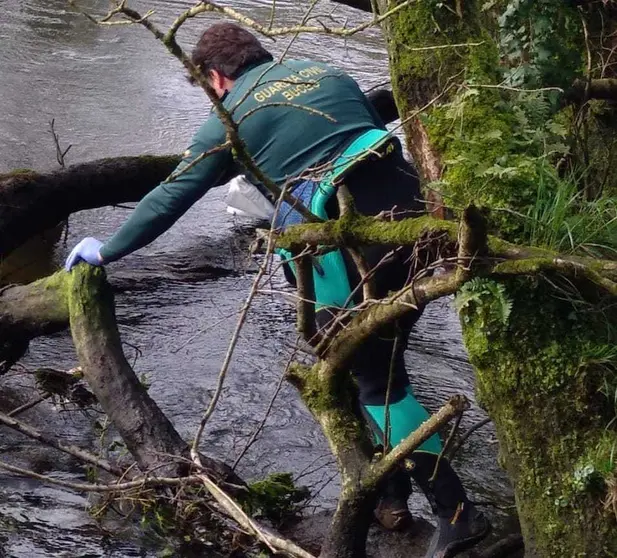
[
  {"x": 460, "y": 532},
  {"x": 392, "y": 513},
  {"x": 391, "y": 510}
]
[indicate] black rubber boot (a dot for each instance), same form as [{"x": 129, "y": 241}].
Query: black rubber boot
[
  {"x": 467, "y": 527},
  {"x": 391, "y": 510},
  {"x": 459, "y": 524}
]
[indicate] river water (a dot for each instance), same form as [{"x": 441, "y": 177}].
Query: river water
[{"x": 114, "y": 91}]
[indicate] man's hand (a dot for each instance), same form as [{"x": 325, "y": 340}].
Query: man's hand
[{"x": 88, "y": 251}]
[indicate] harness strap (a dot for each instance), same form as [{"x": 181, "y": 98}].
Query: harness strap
[{"x": 330, "y": 278}]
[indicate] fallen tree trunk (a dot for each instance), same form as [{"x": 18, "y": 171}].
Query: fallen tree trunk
[
  {"x": 84, "y": 299},
  {"x": 147, "y": 432},
  {"x": 32, "y": 202}
]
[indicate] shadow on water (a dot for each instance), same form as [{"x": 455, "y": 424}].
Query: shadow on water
[{"x": 116, "y": 92}]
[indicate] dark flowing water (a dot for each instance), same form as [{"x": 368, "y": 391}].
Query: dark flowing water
[{"x": 114, "y": 91}]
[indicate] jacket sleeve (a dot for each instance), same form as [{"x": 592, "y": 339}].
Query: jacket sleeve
[{"x": 164, "y": 205}]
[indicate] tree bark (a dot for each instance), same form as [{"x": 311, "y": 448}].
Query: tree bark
[
  {"x": 349, "y": 528},
  {"x": 31, "y": 202},
  {"x": 84, "y": 298},
  {"x": 147, "y": 432},
  {"x": 535, "y": 369}
]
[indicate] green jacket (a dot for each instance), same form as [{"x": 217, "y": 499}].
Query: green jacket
[{"x": 292, "y": 116}]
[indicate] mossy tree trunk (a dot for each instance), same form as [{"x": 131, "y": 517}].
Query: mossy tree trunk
[
  {"x": 84, "y": 299},
  {"x": 545, "y": 370}
]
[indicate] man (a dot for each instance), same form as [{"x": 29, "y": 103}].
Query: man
[{"x": 309, "y": 127}]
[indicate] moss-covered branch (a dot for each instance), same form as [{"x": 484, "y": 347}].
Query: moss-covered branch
[
  {"x": 358, "y": 230},
  {"x": 328, "y": 397}
]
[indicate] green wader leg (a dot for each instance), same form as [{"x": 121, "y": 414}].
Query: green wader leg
[{"x": 406, "y": 416}]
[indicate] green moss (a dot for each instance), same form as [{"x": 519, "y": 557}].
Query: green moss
[
  {"x": 493, "y": 143},
  {"x": 17, "y": 173},
  {"x": 90, "y": 297},
  {"x": 491, "y": 157},
  {"x": 554, "y": 423},
  {"x": 364, "y": 229},
  {"x": 418, "y": 74},
  {"x": 276, "y": 497},
  {"x": 496, "y": 146},
  {"x": 330, "y": 402},
  {"x": 59, "y": 284},
  {"x": 57, "y": 281}
]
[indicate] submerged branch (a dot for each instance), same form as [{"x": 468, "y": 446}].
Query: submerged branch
[
  {"x": 50, "y": 441},
  {"x": 139, "y": 483}
]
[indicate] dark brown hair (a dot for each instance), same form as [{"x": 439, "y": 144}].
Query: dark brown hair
[{"x": 229, "y": 49}]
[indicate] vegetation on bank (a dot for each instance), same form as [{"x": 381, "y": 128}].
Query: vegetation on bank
[{"x": 517, "y": 132}]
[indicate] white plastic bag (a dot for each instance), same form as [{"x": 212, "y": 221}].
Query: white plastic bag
[{"x": 246, "y": 200}]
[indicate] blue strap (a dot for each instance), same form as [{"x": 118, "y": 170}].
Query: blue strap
[{"x": 330, "y": 278}]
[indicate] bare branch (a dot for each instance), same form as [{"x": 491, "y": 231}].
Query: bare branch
[
  {"x": 445, "y": 447},
  {"x": 305, "y": 321},
  {"x": 262, "y": 423},
  {"x": 60, "y": 153},
  {"x": 263, "y": 268},
  {"x": 268, "y": 537},
  {"x": 174, "y": 175},
  {"x": 284, "y": 104},
  {"x": 464, "y": 437},
  {"x": 29, "y": 405},
  {"x": 79, "y": 453},
  {"x": 139, "y": 483},
  {"x": 265, "y": 30}
]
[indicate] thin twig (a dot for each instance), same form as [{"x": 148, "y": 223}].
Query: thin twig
[
  {"x": 29, "y": 405},
  {"x": 272, "y": 14},
  {"x": 142, "y": 483},
  {"x": 466, "y": 435},
  {"x": 386, "y": 443},
  {"x": 445, "y": 447},
  {"x": 207, "y": 6},
  {"x": 202, "y": 156},
  {"x": 272, "y": 540},
  {"x": 235, "y": 337},
  {"x": 60, "y": 153},
  {"x": 262, "y": 423}
]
